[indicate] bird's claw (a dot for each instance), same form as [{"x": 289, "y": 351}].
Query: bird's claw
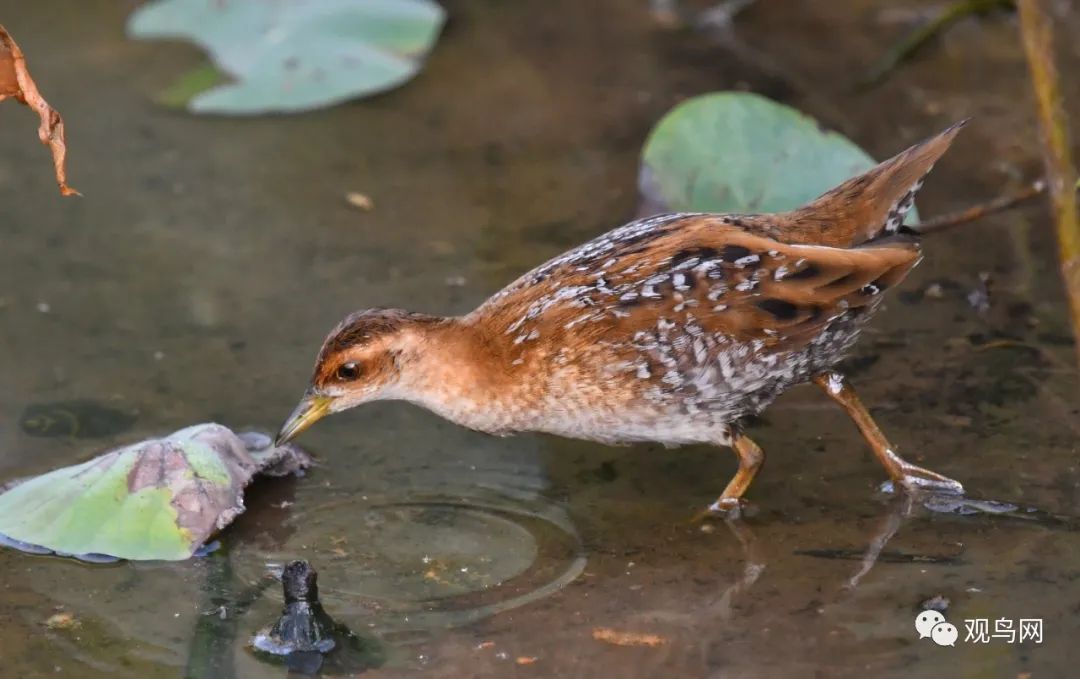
[
  {"x": 916, "y": 480},
  {"x": 726, "y": 508}
]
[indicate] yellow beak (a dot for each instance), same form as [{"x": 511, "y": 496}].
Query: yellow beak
[{"x": 311, "y": 409}]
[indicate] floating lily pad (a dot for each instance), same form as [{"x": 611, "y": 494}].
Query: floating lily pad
[
  {"x": 80, "y": 419},
  {"x": 739, "y": 152},
  {"x": 156, "y": 499},
  {"x": 294, "y": 55}
]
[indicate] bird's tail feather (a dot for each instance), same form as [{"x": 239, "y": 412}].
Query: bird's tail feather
[{"x": 872, "y": 204}]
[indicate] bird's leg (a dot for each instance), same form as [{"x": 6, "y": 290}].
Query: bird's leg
[
  {"x": 902, "y": 472},
  {"x": 751, "y": 458}
]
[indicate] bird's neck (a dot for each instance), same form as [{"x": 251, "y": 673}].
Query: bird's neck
[{"x": 455, "y": 369}]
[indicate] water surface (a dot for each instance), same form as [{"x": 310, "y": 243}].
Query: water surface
[{"x": 196, "y": 278}]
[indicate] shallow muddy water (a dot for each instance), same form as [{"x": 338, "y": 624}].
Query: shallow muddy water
[{"x": 196, "y": 278}]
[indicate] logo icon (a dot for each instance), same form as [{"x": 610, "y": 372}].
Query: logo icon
[
  {"x": 944, "y": 634},
  {"x": 931, "y": 623}
]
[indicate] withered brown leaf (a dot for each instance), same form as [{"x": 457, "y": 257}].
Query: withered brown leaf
[{"x": 15, "y": 81}]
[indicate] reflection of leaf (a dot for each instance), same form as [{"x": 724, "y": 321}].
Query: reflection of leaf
[
  {"x": 294, "y": 55},
  {"x": 15, "y": 81},
  {"x": 740, "y": 152},
  {"x": 157, "y": 499}
]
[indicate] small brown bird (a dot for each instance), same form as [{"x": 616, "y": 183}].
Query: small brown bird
[{"x": 667, "y": 329}]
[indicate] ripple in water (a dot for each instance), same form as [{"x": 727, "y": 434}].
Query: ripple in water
[{"x": 406, "y": 567}]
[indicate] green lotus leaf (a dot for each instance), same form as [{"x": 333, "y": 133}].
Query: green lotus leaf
[
  {"x": 156, "y": 499},
  {"x": 738, "y": 152},
  {"x": 294, "y": 55}
]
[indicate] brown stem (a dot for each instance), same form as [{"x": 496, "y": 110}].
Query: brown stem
[
  {"x": 1036, "y": 31},
  {"x": 947, "y": 221}
]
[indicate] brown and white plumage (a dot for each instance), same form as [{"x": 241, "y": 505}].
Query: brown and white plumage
[{"x": 669, "y": 328}]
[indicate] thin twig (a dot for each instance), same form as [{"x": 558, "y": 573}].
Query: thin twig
[
  {"x": 914, "y": 41},
  {"x": 1037, "y": 33},
  {"x": 947, "y": 221}
]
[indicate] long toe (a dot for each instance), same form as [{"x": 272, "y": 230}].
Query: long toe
[{"x": 926, "y": 481}]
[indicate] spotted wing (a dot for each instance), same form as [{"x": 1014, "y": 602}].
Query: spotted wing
[{"x": 716, "y": 273}]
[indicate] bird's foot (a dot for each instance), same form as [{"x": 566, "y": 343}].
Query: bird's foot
[
  {"x": 727, "y": 508},
  {"x": 918, "y": 480}
]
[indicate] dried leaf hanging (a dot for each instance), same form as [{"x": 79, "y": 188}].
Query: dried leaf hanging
[{"x": 15, "y": 81}]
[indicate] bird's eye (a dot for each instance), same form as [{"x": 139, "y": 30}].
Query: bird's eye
[{"x": 348, "y": 371}]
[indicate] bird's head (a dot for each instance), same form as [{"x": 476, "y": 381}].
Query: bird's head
[{"x": 362, "y": 359}]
